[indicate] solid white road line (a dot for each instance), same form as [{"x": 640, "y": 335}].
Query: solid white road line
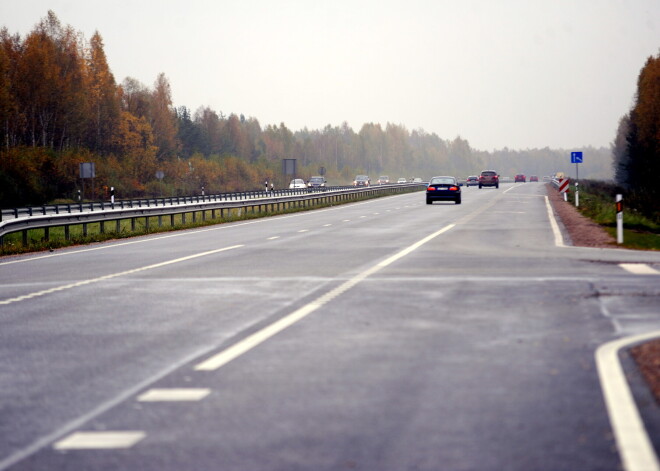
[
  {"x": 174, "y": 395},
  {"x": 632, "y": 439},
  {"x": 99, "y": 440},
  {"x": 559, "y": 239},
  {"x": 247, "y": 344},
  {"x": 639, "y": 268},
  {"x": 113, "y": 275}
]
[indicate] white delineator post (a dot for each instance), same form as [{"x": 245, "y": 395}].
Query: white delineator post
[
  {"x": 619, "y": 219},
  {"x": 577, "y": 196}
]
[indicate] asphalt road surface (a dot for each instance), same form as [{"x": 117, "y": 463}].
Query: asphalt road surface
[{"x": 382, "y": 335}]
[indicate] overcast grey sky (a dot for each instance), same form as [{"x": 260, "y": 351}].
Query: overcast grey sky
[{"x": 499, "y": 73}]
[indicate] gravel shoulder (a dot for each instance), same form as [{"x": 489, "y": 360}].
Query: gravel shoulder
[{"x": 582, "y": 231}]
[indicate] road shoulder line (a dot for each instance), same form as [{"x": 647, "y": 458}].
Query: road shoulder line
[{"x": 633, "y": 443}]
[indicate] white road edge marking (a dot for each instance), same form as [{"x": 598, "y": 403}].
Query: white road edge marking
[
  {"x": 247, "y": 344},
  {"x": 183, "y": 233},
  {"x": 174, "y": 395},
  {"x": 559, "y": 239},
  {"x": 100, "y": 440},
  {"x": 113, "y": 275},
  {"x": 274, "y": 237},
  {"x": 632, "y": 440},
  {"x": 639, "y": 268}
]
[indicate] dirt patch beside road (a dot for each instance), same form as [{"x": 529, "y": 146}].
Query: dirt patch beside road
[{"x": 582, "y": 230}]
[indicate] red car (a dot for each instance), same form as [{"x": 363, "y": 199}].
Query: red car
[
  {"x": 520, "y": 178},
  {"x": 533, "y": 178}
]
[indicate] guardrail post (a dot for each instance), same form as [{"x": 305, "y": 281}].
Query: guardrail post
[
  {"x": 146, "y": 223},
  {"x": 118, "y": 226},
  {"x": 102, "y": 227},
  {"x": 132, "y": 224},
  {"x": 67, "y": 233},
  {"x": 46, "y": 233},
  {"x": 160, "y": 221},
  {"x": 24, "y": 238},
  {"x": 84, "y": 230}
]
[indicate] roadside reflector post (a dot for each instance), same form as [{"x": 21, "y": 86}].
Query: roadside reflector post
[
  {"x": 619, "y": 219},
  {"x": 563, "y": 187},
  {"x": 577, "y": 195}
]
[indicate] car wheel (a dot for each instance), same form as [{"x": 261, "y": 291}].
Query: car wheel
[
  {"x": 428, "y": 201},
  {"x": 458, "y": 200},
  {"x": 497, "y": 186},
  {"x": 480, "y": 186}
]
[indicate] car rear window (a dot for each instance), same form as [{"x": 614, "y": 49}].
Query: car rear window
[
  {"x": 488, "y": 174},
  {"x": 442, "y": 181}
]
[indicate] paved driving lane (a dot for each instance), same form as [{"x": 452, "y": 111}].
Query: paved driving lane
[{"x": 409, "y": 337}]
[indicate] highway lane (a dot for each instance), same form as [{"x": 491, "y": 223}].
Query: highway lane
[{"x": 473, "y": 351}]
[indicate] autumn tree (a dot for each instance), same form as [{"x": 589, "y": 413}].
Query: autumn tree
[
  {"x": 643, "y": 150},
  {"x": 163, "y": 119},
  {"x": 103, "y": 96}
]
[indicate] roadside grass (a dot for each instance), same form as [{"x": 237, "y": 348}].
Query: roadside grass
[
  {"x": 597, "y": 202},
  {"x": 38, "y": 240}
]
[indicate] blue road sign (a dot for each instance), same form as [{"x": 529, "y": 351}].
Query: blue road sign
[{"x": 576, "y": 157}]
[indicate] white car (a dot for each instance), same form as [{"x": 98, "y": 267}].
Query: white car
[
  {"x": 297, "y": 183},
  {"x": 402, "y": 180}
]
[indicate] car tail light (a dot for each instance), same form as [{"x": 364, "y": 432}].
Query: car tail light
[
  {"x": 431, "y": 188},
  {"x": 453, "y": 188}
]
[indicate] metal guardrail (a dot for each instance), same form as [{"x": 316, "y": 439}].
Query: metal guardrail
[
  {"x": 131, "y": 203},
  {"x": 103, "y": 212}
]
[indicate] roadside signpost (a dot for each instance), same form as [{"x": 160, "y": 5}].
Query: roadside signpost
[{"x": 576, "y": 158}]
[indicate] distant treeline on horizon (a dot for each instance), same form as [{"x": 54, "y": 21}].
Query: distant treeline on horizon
[{"x": 60, "y": 106}]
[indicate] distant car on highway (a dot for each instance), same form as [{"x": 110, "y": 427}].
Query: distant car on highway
[
  {"x": 361, "y": 180},
  {"x": 402, "y": 180},
  {"x": 417, "y": 180},
  {"x": 472, "y": 180},
  {"x": 443, "y": 189},
  {"x": 520, "y": 178},
  {"x": 533, "y": 178},
  {"x": 297, "y": 183},
  {"x": 316, "y": 182},
  {"x": 383, "y": 180},
  {"x": 489, "y": 178}
]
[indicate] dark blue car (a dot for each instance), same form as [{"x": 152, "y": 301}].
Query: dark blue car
[{"x": 443, "y": 189}]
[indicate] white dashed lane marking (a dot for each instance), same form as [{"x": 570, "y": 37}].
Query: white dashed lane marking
[
  {"x": 100, "y": 440},
  {"x": 114, "y": 275},
  {"x": 174, "y": 395},
  {"x": 639, "y": 268}
]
